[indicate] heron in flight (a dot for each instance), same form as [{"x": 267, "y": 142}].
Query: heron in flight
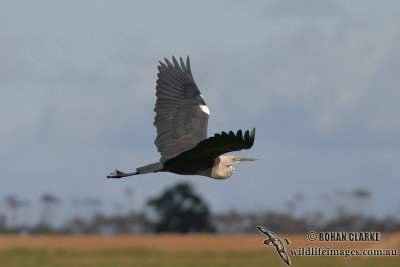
[{"x": 181, "y": 121}]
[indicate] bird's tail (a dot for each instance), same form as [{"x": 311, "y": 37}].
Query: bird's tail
[{"x": 153, "y": 167}]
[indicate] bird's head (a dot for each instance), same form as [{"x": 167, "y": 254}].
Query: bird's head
[{"x": 226, "y": 163}]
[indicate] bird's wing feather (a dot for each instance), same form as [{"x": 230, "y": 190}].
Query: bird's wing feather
[
  {"x": 181, "y": 113},
  {"x": 219, "y": 144}
]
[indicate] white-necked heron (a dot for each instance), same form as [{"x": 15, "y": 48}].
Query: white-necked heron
[{"x": 181, "y": 121}]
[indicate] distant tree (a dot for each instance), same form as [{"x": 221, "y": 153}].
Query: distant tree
[
  {"x": 360, "y": 197},
  {"x": 14, "y": 204},
  {"x": 48, "y": 201},
  {"x": 2, "y": 222},
  {"x": 181, "y": 210}
]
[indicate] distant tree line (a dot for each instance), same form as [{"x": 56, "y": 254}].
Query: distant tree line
[{"x": 180, "y": 209}]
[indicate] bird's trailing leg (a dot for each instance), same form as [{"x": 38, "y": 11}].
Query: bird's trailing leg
[
  {"x": 153, "y": 167},
  {"x": 118, "y": 174}
]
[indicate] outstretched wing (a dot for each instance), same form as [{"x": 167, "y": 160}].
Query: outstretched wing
[
  {"x": 219, "y": 144},
  {"x": 265, "y": 231},
  {"x": 181, "y": 113}
]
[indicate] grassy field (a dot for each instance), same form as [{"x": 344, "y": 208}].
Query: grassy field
[{"x": 179, "y": 250}]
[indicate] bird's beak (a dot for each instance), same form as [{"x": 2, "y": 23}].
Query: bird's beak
[{"x": 245, "y": 159}]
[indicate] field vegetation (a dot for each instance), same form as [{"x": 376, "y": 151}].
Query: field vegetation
[{"x": 178, "y": 250}]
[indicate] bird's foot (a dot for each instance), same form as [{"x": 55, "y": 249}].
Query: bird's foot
[
  {"x": 118, "y": 174},
  {"x": 268, "y": 242}
]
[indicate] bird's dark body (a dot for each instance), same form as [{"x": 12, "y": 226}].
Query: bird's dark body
[
  {"x": 188, "y": 166},
  {"x": 205, "y": 154}
]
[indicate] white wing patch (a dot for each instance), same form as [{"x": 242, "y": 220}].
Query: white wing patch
[{"x": 205, "y": 109}]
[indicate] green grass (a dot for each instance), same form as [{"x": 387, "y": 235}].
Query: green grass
[{"x": 23, "y": 257}]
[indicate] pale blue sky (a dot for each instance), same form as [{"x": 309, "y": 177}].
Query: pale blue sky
[{"x": 319, "y": 80}]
